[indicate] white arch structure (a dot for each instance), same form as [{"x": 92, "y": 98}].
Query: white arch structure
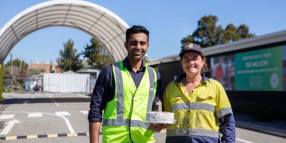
[{"x": 91, "y": 18}]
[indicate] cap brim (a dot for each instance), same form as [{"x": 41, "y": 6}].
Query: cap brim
[{"x": 189, "y": 50}]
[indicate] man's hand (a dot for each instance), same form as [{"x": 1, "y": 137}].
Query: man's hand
[{"x": 157, "y": 127}]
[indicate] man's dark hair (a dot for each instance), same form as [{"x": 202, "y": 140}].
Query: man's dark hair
[{"x": 136, "y": 29}]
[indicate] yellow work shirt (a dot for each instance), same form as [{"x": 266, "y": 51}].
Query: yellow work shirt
[{"x": 196, "y": 113}]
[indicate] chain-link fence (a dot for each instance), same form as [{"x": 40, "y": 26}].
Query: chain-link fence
[
  {"x": 23, "y": 84},
  {"x": 11, "y": 85}
]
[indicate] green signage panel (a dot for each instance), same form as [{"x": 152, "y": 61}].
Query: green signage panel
[{"x": 259, "y": 70}]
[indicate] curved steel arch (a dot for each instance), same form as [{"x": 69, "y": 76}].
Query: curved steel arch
[{"x": 91, "y": 18}]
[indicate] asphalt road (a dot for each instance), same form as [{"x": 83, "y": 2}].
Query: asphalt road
[{"x": 56, "y": 117}]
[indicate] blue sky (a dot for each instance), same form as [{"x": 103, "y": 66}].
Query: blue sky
[{"x": 167, "y": 20}]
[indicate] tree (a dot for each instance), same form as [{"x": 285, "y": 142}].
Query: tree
[
  {"x": 232, "y": 33},
  {"x": 14, "y": 72},
  {"x": 97, "y": 55},
  {"x": 19, "y": 69},
  {"x": 17, "y": 62},
  {"x": 69, "y": 59},
  {"x": 209, "y": 34}
]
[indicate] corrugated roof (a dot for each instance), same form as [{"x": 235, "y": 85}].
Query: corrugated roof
[{"x": 93, "y": 19}]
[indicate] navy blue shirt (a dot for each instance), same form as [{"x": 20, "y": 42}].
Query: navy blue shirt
[{"x": 104, "y": 89}]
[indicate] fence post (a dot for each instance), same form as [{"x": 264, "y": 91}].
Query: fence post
[{"x": 1, "y": 81}]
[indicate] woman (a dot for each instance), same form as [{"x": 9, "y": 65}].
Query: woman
[{"x": 200, "y": 104}]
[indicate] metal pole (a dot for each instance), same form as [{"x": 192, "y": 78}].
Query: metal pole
[
  {"x": 11, "y": 65},
  {"x": 1, "y": 81},
  {"x": 20, "y": 65},
  {"x": 11, "y": 73}
]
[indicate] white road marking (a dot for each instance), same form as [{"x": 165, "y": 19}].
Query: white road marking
[
  {"x": 9, "y": 116},
  {"x": 54, "y": 101},
  {"x": 35, "y": 114},
  {"x": 25, "y": 102},
  {"x": 84, "y": 112},
  {"x": 63, "y": 113},
  {"x": 8, "y": 128},
  {"x": 66, "y": 120},
  {"x": 245, "y": 141}
]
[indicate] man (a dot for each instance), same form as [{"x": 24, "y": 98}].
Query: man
[{"x": 126, "y": 91}]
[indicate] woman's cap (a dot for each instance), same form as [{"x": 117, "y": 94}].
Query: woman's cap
[{"x": 191, "y": 47}]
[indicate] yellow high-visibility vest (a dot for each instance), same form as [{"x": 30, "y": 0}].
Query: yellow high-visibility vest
[{"x": 124, "y": 116}]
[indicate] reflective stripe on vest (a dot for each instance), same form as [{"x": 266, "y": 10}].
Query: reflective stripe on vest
[
  {"x": 201, "y": 106},
  {"x": 198, "y": 106},
  {"x": 197, "y": 132},
  {"x": 223, "y": 112},
  {"x": 125, "y": 122},
  {"x": 119, "y": 91},
  {"x": 192, "y": 132}
]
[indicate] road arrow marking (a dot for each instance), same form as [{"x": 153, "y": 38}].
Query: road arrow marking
[{"x": 8, "y": 128}]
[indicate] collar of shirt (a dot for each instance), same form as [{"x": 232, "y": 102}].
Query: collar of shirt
[
  {"x": 126, "y": 64},
  {"x": 205, "y": 79}
]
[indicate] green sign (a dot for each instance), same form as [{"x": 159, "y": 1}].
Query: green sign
[{"x": 259, "y": 70}]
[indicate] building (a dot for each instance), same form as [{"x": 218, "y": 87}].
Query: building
[
  {"x": 253, "y": 76},
  {"x": 44, "y": 66}
]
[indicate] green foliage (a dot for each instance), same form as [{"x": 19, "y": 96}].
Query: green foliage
[
  {"x": 209, "y": 34},
  {"x": 19, "y": 69},
  {"x": 36, "y": 71},
  {"x": 97, "y": 56},
  {"x": 69, "y": 58},
  {"x": 42, "y": 70},
  {"x": 17, "y": 63},
  {"x": 232, "y": 33},
  {"x": 33, "y": 72}
]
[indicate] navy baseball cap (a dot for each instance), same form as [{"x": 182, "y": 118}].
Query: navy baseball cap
[{"x": 191, "y": 47}]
